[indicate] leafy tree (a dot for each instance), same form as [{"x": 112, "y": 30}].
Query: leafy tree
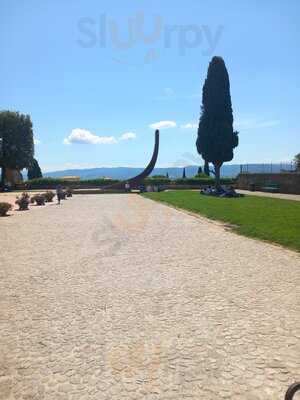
[
  {"x": 183, "y": 174},
  {"x": 199, "y": 171},
  {"x": 297, "y": 161},
  {"x": 17, "y": 147},
  {"x": 34, "y": 170},
  {"x": 216, "y": 137}
]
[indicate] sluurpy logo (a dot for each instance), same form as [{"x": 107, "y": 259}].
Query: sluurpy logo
[{"x": 104, "y": 31}]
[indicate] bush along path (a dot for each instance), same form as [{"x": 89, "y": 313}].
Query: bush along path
[{"x": 23, "y": 201}]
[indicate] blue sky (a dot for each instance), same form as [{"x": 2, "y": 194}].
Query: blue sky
[{"x": 95, "y": 96}]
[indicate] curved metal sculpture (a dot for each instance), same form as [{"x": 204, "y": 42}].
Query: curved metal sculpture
[
  {"x": 136, "y": 181},
  {"x": 292, "y": 390}
]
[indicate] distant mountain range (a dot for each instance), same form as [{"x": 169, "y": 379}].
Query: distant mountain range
[{"x": 228, "y": 170}]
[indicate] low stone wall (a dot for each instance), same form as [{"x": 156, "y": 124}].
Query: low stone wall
[{"x": 287, "y": 182}]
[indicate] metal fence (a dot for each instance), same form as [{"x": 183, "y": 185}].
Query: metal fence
[{"x": 268, "y": 168}]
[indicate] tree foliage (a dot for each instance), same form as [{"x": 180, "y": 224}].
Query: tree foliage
[
  {"x": 206, "y": 168},
  {"x": 216, "y": 137},
  {"x": 17, "y": 140},
  {"x": 297, "y": 162},
  {"x": 34, "y": 170},
  {"x": 183, "y": 174},
  {"x": 158, "y": 177}
]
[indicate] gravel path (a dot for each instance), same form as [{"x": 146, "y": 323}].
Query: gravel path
[{"x": 118, "y": 297}]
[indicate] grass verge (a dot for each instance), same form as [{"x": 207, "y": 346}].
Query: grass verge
[{"x": 269, "y": 219}]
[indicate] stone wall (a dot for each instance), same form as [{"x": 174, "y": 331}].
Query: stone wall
[{"x": 287, "y": 182}]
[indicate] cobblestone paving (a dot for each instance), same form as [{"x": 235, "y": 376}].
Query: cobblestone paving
[{"x": 118, "y": 297}]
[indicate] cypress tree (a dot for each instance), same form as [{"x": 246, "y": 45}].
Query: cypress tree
[
  {"x": 199, "y": 171},
  {"x": 183, "y": 174},
  {"x": 34, "y": 171},
  {"x": 216, "y": 137},
  {"x": 206, "y": 168}
]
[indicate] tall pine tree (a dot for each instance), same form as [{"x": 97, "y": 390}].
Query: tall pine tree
[
  {"x": 216, "y": 137},
  {"x": 206, "y": 168}
]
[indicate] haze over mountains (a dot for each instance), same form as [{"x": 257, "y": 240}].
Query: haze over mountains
[{"x": 229, "y": 170}]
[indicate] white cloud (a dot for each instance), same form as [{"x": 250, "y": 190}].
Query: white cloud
[
  {"x": 254, "y": 123},
  {"x": 82, "y": 136},
  {"x": 189, "y": 125},
  {"x": 128, "y": 136},
  {"x": 163, "y": 125},
  {"x": 36, "y": 141}
]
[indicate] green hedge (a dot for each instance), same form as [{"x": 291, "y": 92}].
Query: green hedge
[
  {"x": 43, "y": 183},
  {"x": 51, "y": 183},
  {"x": 206, "y": 180},
  {"x": 228, "y": 181},
  {"x": 194, "y": 181},
  {"x": 157, "y": 181},
  {"x": 203, "y": 181}
]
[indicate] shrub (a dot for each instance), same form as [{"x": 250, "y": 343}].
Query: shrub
[
  {"x": 207, "y": 180},
  {"x": 202, "y": 176},
  {"x": 23, "y": 201},
  {"x": 156, "y": 180},
  {"x": 39, "y": 199},
  {"x": 228, "y": 181},
  {"x": 49, "y": 196},
  {"x": 4, "y": 208},
  {"x": 52, "y": 183},
  {"x": 158, "y": 177},
  {"x": 195, "y": 181}
]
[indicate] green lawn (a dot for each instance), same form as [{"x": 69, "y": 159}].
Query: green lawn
[{"x": 274, "y": 220}]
